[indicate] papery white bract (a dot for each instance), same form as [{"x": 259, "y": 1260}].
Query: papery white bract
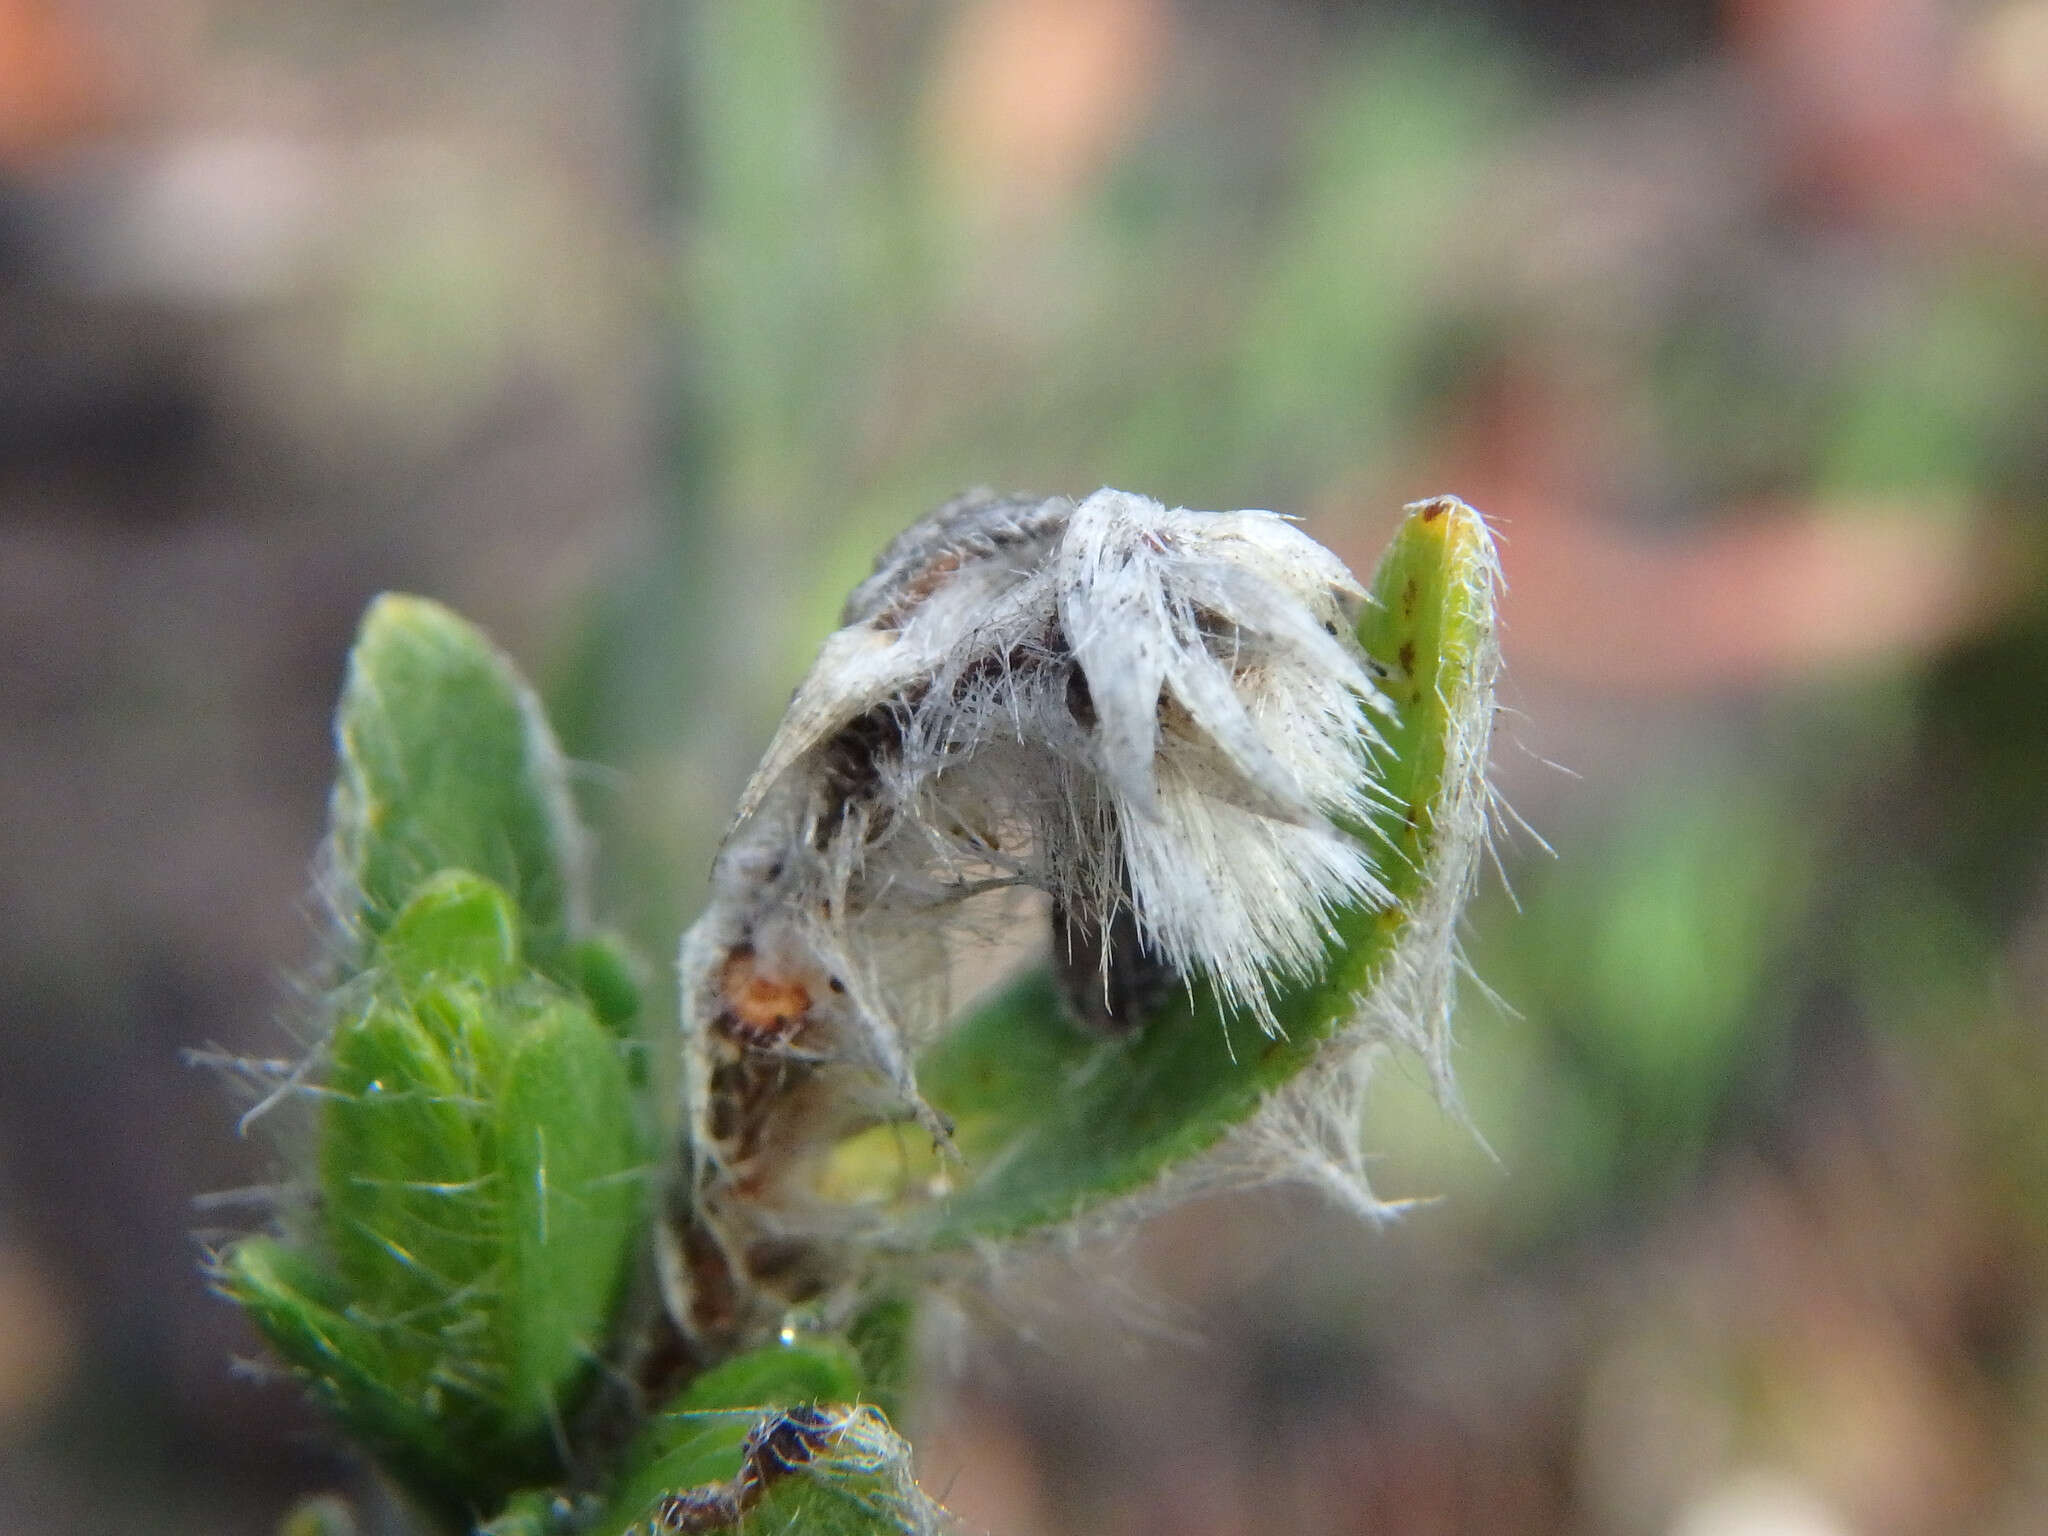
[
  {"x": 1231, "y": 727},
  {"x": 1157, "y": 717}
]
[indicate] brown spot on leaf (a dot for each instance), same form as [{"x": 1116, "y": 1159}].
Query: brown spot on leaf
[
  {"x": 1407, "y": 656},
  {"x": 1411, "y": 594}
]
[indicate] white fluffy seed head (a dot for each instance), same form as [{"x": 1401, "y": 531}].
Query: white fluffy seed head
[
  {"x": 1137, "y": 710},
  {"x": 1158, "y": 717}
]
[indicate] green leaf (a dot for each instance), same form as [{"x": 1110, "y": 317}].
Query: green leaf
[
  {"x": 602, "y": 969},
  {"x": 698, "y": 1438},
  {"x": 1051, "y": 1121},
  {"x": 408, "y": 1180},
  {"x": 447, "y": 763},
  {"x": 457, "y": 926},
  {"x": 345, "y": 1366},
  {"x": 856, "y": 1481},
  {"x": 858, "y": 1485},
  {"x": 479, "y": 1157},
  {"x": 882, "y": 1338},
  {"x": 482, "y": 1193},
  {"x": 573, "y": 1204}
]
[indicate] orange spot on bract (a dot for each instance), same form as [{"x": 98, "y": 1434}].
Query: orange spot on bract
[{"x": 759, "y": 1006}]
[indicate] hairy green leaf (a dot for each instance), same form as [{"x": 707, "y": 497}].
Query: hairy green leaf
[
  {"x": 603, "y": 973},
  {"x": 483, "y": 1191},
  {"x": 860, "y": 1484},
  {"x": 697, "y": 1439},
  {"x": 456, "y": 926},
  {"x": 479, "y": 1152},
  {"x": 447, "y": 763},
  {"x": 346, "y": 1367},
  {"x": 408, "y": 1175},
  {"x": 574, "y": 1201}
]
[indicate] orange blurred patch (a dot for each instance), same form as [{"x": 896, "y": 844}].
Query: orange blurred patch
[
  {"x": 1034, "y": 96},
  {"x": 53, "y": 84},
  {"x": 1785, "y": 593},
  {"x": 37, "y": 1340},
  {"x": 1764, "y": 593},
  {"x": 1880, "y": 112}
]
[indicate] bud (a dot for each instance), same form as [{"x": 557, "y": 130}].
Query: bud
[
  {"x": 476, "y": 1160},
  {"x": 1162, "y": 720}
]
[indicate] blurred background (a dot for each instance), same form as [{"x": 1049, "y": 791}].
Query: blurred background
[{"x": 634, "y": 329}]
